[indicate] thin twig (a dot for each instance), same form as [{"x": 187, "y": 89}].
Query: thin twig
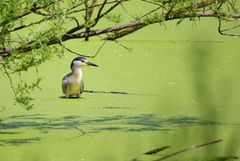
[
  {"x": 81, "y": 133},
  {"x": 228, "y": 29},
  {"x": 73, "y": 52},
  {"x": 87, "y": 18},
  {"x": 222, "y": 31},
  {"x": 100, "y": 10},
  {"x": 10, "y": 79},
  {"x": 87, "y": 56},
  {"x": 99, "y": 49},
  {"x": 97, "y": 5},
  {"x": 115, "y": 40},
  {"x": 152, "y": 11}
]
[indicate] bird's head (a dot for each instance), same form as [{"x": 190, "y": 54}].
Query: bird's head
[{"x": 81, "y": 61}]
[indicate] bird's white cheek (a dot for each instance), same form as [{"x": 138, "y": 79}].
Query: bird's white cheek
[{"x": 77, "y": 64}]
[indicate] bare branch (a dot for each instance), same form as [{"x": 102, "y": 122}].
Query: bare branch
[
  {"x": 87, "y": 19},
  {"x": 91, "y": 8}
]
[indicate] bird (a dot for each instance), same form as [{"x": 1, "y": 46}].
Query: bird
[{"x": 72, "y": 83}]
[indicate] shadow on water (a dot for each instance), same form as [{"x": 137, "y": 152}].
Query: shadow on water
[{"x": 16, "y": 124}]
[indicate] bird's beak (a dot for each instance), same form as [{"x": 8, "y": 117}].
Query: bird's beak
[{"x": 92, "y": 64}]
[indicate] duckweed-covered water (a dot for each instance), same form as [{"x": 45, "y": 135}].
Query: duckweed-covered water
[{"x": 183, "y": 85}]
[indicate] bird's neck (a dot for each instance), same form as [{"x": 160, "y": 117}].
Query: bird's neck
[{"x": 77, "y": 72}]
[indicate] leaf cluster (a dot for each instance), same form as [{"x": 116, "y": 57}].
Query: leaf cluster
[
  {"x": 115, "y": 18},
  {"x": 23, "y": 92}
]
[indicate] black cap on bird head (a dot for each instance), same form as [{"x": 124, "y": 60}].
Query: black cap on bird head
[{"x": 83, "y": 60}]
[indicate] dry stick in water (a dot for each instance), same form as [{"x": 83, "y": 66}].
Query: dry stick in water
[
  {"x": 155, "y": 151},
  {"x": 111, "y": 92},
  {"x": 189, "y": 149}
]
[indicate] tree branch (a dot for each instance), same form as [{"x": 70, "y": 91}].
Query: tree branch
[
  {"x": 7, "y": 51},
  {"x": 124, "y": 29}
]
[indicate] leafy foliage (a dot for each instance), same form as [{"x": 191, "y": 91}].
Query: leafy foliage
[{"x": 23, "y": 91}]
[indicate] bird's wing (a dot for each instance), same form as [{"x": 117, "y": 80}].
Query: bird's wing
[
  {"x": 65, "y": 82},
  {"x": 81, "y": 86}
]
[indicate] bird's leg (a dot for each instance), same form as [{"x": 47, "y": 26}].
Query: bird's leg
[{"x": 67, "y": 95}]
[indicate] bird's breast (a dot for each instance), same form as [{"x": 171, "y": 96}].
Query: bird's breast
[
  {"x": 74, "y": 87},
  {"x": 77, "y": 74},
  {"x": 78, "y": 79}
]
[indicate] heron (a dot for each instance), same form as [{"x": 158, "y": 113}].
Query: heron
[{"x": 72, "y": 83}]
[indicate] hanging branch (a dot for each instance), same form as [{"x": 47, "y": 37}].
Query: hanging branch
[{"x": 87, "y": 56}]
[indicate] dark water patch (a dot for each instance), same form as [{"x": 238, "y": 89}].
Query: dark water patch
[
  {"x": 146, "y": 129},
  {"x": 190, "y": 121},
  {"x": 110, "y": 129},
  {"x": 21, "y": 124},
  {"x": 105, "y": 119},
  {"x": 19, "y": 141},
  {"x": 153, "y": 120},
  {"x": 225, "y": 158},
  {"x": 26, "y": 116},
  {"x": 9, "y": 133},
  {"x": 71, "y": 117},
  {"x": 144, "y": 120},
  {"x": 112, "y": 107},
  {"x": 63, "y": 125}
]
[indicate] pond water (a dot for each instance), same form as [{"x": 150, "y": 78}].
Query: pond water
[{"x": 183, "y": 85}]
